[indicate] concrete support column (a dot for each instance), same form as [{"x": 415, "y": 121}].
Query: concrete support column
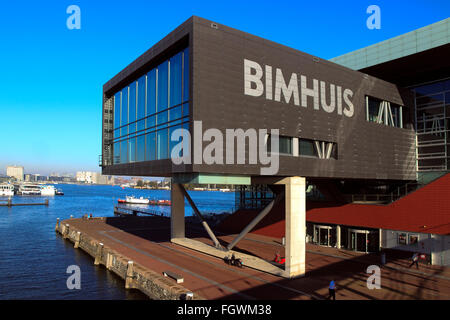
[
  {"x": 295, "y": 198},
  {"x": 177, "y": 225},
  {"x": 338, "y": 236}
]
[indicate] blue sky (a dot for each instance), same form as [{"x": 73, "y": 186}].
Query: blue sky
[{"x": 52, "y": 77}]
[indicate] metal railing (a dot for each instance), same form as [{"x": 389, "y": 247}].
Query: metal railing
[
  {"x": 387, "y": 197},
  {"x": 121, "y": 210}
]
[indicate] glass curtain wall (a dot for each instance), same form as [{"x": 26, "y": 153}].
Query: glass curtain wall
[
  {"x": 433, "y": 126},
  {"x": 149, "y": 109}
]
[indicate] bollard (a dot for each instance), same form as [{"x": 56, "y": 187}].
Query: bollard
[
  {"x": 57, "y": 225},
  {"x": 98, "y": 255},
  {"x": 129, "y": 278},
  {"x": 109, "y": 262},
  {"x": 66, "y": 231},
  {"x": 77, "y": 240}
]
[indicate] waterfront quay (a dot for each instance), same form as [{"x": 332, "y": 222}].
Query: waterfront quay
[{"x": 138, "y": 249}]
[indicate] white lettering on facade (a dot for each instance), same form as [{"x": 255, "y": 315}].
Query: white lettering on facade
[{"x": 330, "y": 97}]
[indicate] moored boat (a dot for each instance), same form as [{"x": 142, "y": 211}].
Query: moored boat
[
  {"x": 142, "y": 200},
  {"x": 160, "y": 202},
  {"x": 30, "y": 190},
  {"x": 133, "y": 200},
  {"x": 6, "y": 190},
  {"x": 47, "y": 190}
]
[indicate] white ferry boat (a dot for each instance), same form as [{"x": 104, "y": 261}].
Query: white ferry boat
[
  {"x": 48, "y": 190},
  {"x": 30, "y": 190},
  {"x": 6, "y": 190},
  {"x": 133, "y": 200}
]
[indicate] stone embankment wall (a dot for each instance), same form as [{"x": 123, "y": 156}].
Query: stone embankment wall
[{"x": 152, "y": 284}]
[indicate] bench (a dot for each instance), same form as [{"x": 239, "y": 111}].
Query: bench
[{"x": 173, "y": 275}]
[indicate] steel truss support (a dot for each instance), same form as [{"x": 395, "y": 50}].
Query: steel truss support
[
  {"x": 256, "y": 220},
  {"x": 197, "y": 212}
]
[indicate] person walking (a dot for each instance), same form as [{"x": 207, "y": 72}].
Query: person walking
[
  {"x": 332, "y": 290},
  {"x": 415, "y": 260}
]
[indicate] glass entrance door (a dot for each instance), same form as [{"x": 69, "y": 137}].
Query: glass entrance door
[
  {"x": 361, "y": 242},
  {"x": 358, "y": 240},
  {"x": 322, "y": 235}
]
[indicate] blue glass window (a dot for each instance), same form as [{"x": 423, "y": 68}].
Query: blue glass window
[
  {"x": 140, "y": 148},
  {"x": 163, "y": 89},
  {"x": 162, "y": 144},
  {"x": 151, "y": 93},
  {"x": 149, "y": 109},
  {"x": 186, "y": 75},
  {"x": 124, "y": 112},
  {"x": 150, "y": 152},
  {"x": 141, "y": 103},
  {"x": 151, "y": 122},
  {"x": 132, "y": 150},
  {"x": 175, "y": 113},
  {"x": 132, "y": 108},
  {"x": 116, "y": 159},
  {"x": 162, "y": 119},
  {"x": 124, "y": 151},
  {"x": 185, "y": 109},
  {"x": 175, "y": 79}
]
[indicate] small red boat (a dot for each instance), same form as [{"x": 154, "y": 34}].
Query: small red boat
[{"x": 160, "y": 202}]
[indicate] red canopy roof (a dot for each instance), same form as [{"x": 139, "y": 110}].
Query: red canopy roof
[{"x": 426, "y": 210}]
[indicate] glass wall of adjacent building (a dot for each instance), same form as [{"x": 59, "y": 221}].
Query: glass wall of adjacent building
[
  {"x": 149, "y": 109},
  {"x": 433, "y": 125}
]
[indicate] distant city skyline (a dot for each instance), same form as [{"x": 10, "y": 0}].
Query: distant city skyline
[
  {"x": 52, "y": 77},
  {"x": 48, "y": 172}
]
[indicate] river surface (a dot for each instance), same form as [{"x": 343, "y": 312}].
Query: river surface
[{"x": 34, "y": 259}]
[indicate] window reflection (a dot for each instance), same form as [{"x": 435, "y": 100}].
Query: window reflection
[{"x": 148, "y": 109}]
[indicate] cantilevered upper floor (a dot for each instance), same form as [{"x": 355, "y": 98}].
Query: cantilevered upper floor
[{"x": 333, "y": 122}]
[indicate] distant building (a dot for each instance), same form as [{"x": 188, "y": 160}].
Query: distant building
[
  {"x": 15, "y": 172},
  {"x": 93, "y": 177},
  {"x": 40, "y": 178},
  {"x": 55, "y": 178},
  {"x": 84, "y": 176}
]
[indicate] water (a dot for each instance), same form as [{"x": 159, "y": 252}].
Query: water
[{"x": 34, "y": 259}]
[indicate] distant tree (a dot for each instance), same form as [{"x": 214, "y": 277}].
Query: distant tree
[{"x": 140, "y": 183}]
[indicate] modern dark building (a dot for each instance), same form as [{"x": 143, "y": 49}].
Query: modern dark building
[{"x": 339, "y": 129}]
